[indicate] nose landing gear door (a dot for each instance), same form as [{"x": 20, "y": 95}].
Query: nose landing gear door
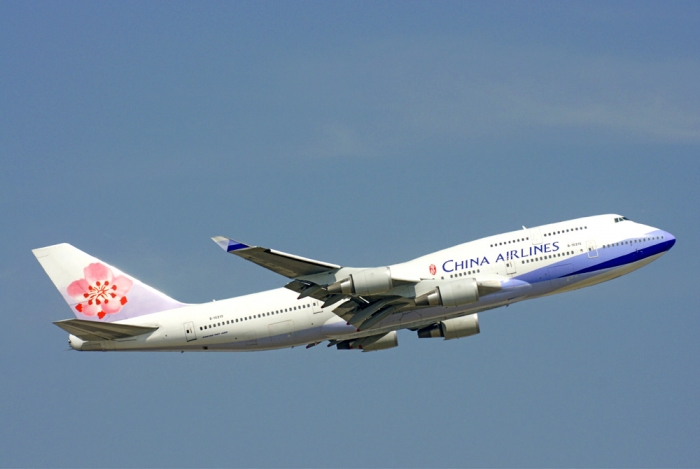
[{"x": 189, "y": 331}]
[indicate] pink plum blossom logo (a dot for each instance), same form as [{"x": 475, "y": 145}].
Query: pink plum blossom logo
[{"x": 100, "y": 292}]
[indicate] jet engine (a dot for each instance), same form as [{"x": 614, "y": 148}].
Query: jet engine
[
  {"x": 456, "y": 293},
  {"x": 372, "y": 343},
  {"x": 452, "y": 328},
  {"x": 365, "y": 282},
  {"x": 390, "y": 340}
]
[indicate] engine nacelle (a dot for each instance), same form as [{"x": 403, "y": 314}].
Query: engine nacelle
[
  {"x": 452, "y": 328},
  {"x": 390, "y": 340},
  {"x": 370, "y": 344},
  {"x": 457, "y": 293},
  {"x": 365, "y": 282}
]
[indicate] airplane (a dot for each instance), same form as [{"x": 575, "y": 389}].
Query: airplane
[{"x": 438, "y": 295}]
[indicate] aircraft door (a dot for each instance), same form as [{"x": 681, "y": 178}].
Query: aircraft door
[
  {"x": 535, "y": 236},
  {"x": 510, "y": 267},
  {"x": 190, "y": 335},
  {"x": 314, "y": 315},
  {"x": 592, "y": 250}
]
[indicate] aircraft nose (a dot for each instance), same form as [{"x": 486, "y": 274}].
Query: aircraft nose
[{"x": 670, "y": 240}]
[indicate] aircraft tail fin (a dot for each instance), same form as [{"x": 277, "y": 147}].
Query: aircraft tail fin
[{"x": 95, "y": 290}]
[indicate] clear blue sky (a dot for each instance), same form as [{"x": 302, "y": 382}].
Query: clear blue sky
[{"x": 360, "y": 133}]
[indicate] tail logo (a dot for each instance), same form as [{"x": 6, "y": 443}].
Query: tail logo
[{"x": 100, "y": 292}]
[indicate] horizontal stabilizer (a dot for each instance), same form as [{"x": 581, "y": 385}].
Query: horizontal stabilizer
[
  {"x": 282, "y": 263},
  {"x": 91, "y": 330}
]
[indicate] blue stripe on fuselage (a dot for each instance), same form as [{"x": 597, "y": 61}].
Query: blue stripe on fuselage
[
  {"x": 638, "y": 255},
  {"x": 581, "y": 263}
]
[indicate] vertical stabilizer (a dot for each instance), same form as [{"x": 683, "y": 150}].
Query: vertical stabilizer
[{"x": 97, "y": 291}]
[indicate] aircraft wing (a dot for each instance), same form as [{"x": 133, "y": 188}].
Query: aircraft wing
[
  {"x": 360, "y": 310},
  {"x": 282, "y": 263},
  {"x": 93, "y": 330}
]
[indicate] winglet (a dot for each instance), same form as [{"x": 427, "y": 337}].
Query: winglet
[{"x": 228, "y": 244}]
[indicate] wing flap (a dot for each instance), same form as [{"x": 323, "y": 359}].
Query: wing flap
[
  {"x": 92, "y": 330},
  {"x": 289, "y": 265}
]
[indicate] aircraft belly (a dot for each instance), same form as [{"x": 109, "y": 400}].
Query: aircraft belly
[
  {"x": 574, "y": 282},
  {"x": 411, "y": 317}
]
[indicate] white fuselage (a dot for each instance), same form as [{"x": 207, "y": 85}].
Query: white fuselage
[{"x": 528, "y": 263}]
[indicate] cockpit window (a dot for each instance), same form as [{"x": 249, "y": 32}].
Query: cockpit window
[{"x": 619, "y": 219}]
